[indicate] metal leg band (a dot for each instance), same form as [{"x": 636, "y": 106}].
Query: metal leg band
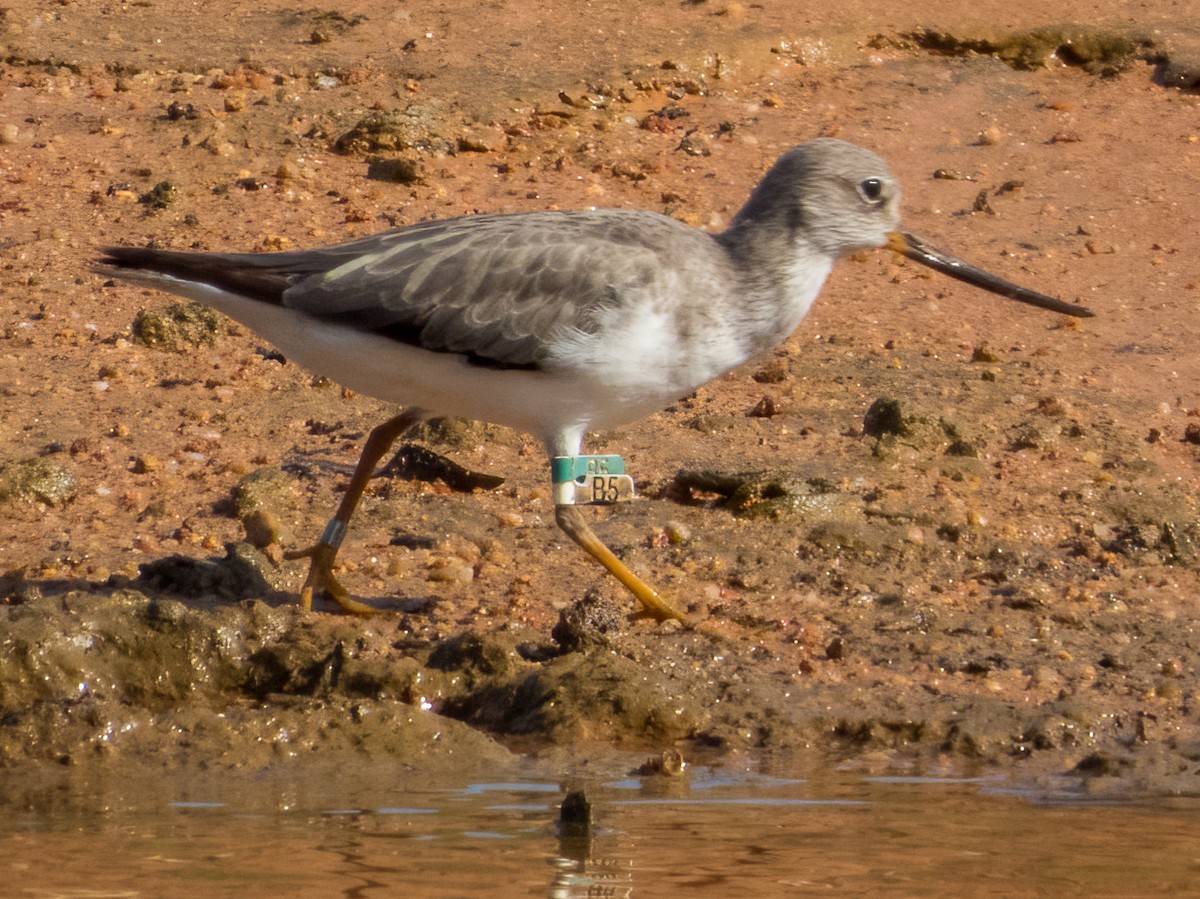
[{"x": 335, "y": 533}]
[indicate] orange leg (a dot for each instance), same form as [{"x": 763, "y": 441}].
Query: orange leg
[
  {"x": 320, "y": 571},
  {"x": 571, "y": 520}
]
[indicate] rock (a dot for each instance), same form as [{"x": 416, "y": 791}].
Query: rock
[
  {"x": 178, "y": 327},
  {"x": 902, "y": 427},
  {"x": 160, "y": 196},
  {"x": 398, "y": 171},
  {"x": 575, "y": 815},
  {"x": 767, "y": 407},
  {"x": 262, "y": 528},
  {"x": 772, "y": 493},
  {"x": 238, "y": 576},
  {"x": 267, "y": 488},
  {"x": 416, "y": 127},
  {"x": 40, "y": 479},
  {"x": 595, "y": 620}
]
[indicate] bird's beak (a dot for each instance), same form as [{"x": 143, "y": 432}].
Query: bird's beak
[{"x": 916, "y": 249}]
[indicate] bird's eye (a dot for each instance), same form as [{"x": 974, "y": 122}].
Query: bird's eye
[{"x": 871, "y": 190}]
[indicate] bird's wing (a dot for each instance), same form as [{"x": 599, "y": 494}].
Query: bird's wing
[{"x": 496, "y": 288}]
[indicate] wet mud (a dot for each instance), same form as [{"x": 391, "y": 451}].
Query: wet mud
[{"x": 931, "y": 529}]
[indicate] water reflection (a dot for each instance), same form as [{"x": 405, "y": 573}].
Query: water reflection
[{"x": 711, "y": 832}]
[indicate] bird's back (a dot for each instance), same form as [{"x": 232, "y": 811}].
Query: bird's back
[{"x": 501, "y": 289}]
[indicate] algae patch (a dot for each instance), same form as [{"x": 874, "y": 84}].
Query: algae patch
[
  {"x": 37, "y": 480},
  {"x": 1096, "y": 51},
  {"x": 178, "y": 327}
]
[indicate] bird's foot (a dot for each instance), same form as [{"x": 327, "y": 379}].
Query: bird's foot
[
  {"x": 571, "y": 520},
  {"x": 321, "y": 579},
  {"x": 656, "y": 608}
]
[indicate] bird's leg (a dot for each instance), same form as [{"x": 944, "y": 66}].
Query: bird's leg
[
  {"x": 320, "y": 571},
  {"x": 571, "y": 520}
]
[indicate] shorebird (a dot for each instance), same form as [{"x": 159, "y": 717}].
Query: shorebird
[{"x": 555, "y": 323}]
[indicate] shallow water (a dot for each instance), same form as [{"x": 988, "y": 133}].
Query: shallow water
[{"x": 712, "y": 832}]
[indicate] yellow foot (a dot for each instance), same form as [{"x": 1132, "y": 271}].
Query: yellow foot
[
  {"x": 571, "y": 520},
  {"x": 655, "y": 607},
  {"x": 321, "y": 580}
]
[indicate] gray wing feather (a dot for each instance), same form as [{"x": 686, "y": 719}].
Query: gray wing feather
[{"x": 496, "y": 287}]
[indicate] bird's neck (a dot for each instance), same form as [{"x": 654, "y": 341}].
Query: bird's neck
[{"x": 780, "y": 273}]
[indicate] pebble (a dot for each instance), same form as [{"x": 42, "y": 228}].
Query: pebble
[
  {"x": 990, "y": 136},
  {"x": 768, "y": 407},
  {"x": 678, "y": 533},
  {"x": 146, "y": 464},
  {"x": 774, "y": 372},
  {"x": 1173, "y": 668},
  {"x": 451, "y": 570},
  {"x": 695, "y": 145},
  {"x": 144, "y": 544},
  {"x": 982, "y": 353},
  {"x": 262, "y": 528}
]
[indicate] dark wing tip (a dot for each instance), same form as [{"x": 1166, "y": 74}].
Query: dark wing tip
[
  {"x": 257, "y": 277},
  {"x": 125, "y": 257}
]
